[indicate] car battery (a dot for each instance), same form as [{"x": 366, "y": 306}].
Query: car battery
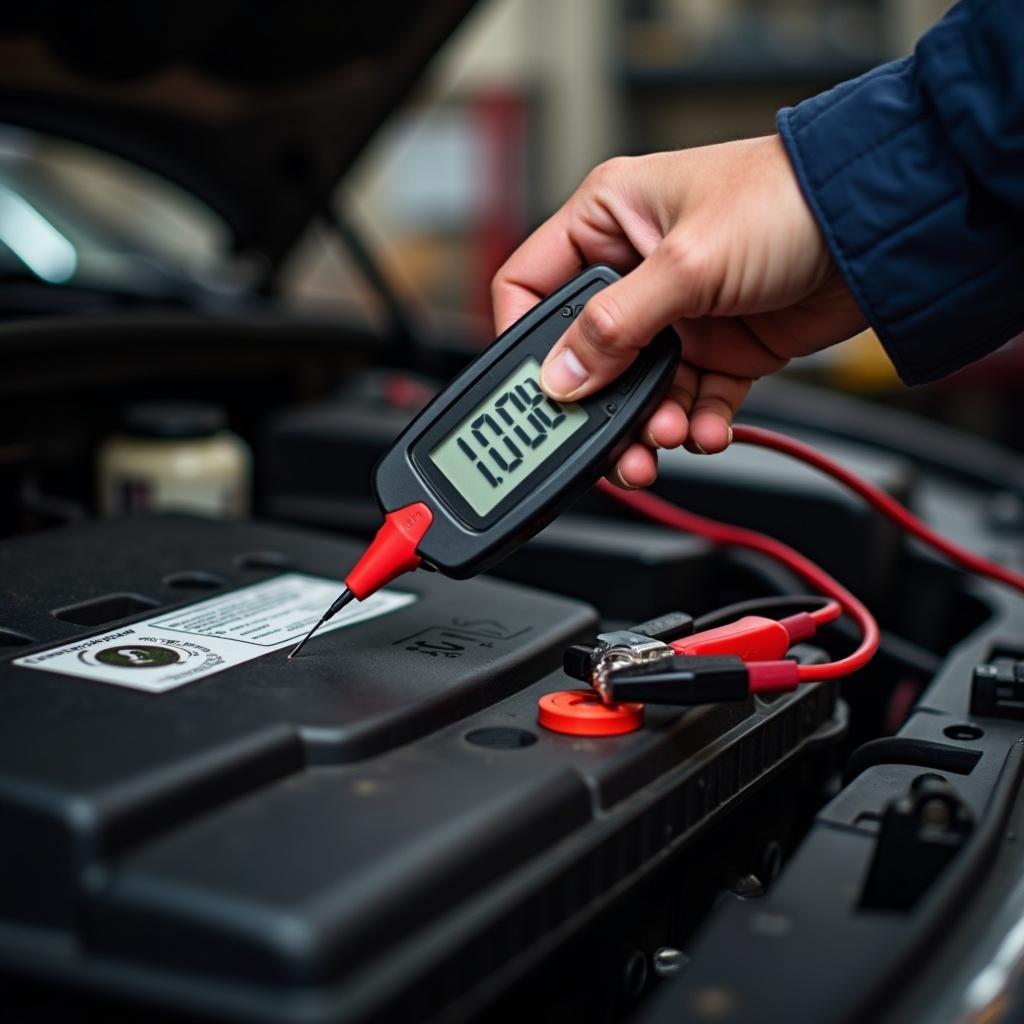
[
  {"x": 127, "y": 757},
  {"x": 377, "y": 829}
]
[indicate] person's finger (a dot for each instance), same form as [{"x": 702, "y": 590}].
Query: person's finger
[
  {"x": 585, "y": 230},
  {"x": 670, "y": 424},
  {"x": 685, "y": 385},
  {"x": 620, "y": 320},
  {"x": 667, "y": 427},
  {"x": 526, "y": 279},
  {"x": 718, "y": 398},
  {"x": 637, "y": 467},
  {"x": 545, "y": 260}
]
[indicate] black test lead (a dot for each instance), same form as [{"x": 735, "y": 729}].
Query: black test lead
[
  {"x": 343, "y": 599},
  {"x": 492, "y": 460}
]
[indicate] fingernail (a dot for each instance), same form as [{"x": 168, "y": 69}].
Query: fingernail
[
  {"x": 650, "y": 439},
  {"x": 621, "y": 480},
  {"x": 696, "y": 444},
  {"x": 730, "y": 436},
  {"x": 564, "y": 374}
]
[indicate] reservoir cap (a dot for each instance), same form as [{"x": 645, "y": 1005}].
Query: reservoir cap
[{"x": 174, "y": 420}]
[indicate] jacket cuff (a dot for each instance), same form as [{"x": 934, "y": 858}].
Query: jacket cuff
[{"x": 892, "y": 200}]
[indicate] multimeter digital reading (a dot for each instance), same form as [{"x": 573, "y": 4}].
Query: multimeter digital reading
[{"x": 492, "y": 459}]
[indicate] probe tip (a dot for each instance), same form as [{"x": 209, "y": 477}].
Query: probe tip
[
  {"x": 298, "y": 647},
  {"x": 346, "y": 596}
]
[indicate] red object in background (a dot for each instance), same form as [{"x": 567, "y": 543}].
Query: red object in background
[
  {"x": 404, "y": 392},
  {"x": 899, "y": 705},
  {"x": 1000, "y": 371},
  {"x": 499, "y": 119}
]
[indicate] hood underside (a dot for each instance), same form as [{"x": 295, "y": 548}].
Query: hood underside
[{"x": 256, "y": 108}]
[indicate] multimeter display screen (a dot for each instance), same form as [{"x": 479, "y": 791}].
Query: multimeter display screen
[{"x": 505, "y": 438}]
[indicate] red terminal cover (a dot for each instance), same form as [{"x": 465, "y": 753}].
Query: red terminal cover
[{"x": 582, "y": 713}]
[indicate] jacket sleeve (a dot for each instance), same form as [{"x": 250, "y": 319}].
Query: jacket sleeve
[{"x": 915, "y": 174}]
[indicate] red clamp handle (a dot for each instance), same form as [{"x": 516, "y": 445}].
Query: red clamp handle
[{"x": 752, "y": 638}]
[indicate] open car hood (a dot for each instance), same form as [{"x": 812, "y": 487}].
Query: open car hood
[{"x": 257, "y": 108}]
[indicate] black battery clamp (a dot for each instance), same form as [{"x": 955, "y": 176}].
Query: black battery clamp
[{"x": 492, "y": 459}]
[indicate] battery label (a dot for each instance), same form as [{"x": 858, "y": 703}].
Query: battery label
[{"x": 170, "y": 650}]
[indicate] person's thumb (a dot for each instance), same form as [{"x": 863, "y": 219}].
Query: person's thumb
[{"x": 620, "y": 320}]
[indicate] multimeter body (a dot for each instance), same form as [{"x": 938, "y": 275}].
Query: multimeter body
[{"x": 495, "y": 460}]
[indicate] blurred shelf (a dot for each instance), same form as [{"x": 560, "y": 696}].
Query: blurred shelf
[{"x": 714, "y": 74}]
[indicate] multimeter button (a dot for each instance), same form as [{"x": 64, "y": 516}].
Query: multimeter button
[
  {"x": 628, "y": 380},
  {"x": 581, "y": 713}
]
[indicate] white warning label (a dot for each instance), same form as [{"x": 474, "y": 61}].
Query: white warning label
[{"x": 167, "y": 651}]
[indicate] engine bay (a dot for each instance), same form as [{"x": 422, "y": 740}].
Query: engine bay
[
  {"x": 381, "y": 829},
  {"x": 207, "y": 350}
]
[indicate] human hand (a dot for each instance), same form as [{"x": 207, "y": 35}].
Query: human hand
[{"x": 717, "y": 242}]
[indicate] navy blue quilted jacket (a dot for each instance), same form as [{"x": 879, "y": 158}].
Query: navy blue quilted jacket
[{"x": 915, "y": 173}]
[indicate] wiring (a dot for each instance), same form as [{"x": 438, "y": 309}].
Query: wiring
[
  {"x": 902, "y": 653},
  {"x": 881, "y": 501},
  {"x": 772, "y": 675},
  {"x": 661, "y": 511},
  {"x": 783, "y": 604}
]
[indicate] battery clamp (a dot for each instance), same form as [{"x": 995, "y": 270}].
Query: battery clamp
[
  {"x": 672, "y": 665},
  {"x": 749, "y": 655}
]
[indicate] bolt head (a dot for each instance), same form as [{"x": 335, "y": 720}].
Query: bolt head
[{"x": 668, "y": 961}]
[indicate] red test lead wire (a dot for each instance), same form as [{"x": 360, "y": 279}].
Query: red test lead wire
[
  {"x": 881, "y": 501},
  {"x": 783, "y": 674}
]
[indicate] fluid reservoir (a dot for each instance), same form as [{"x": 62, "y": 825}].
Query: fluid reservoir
[{"x": 175, "y": 457}]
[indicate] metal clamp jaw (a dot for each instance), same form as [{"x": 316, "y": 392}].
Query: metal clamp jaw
[
  {"x": 633, "y": 665},
  {"x": 619, "y": 650},
  {"x": 610, "y": 652}
]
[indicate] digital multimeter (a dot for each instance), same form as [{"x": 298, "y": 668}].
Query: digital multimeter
[{"x": 492, "y": 460}]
